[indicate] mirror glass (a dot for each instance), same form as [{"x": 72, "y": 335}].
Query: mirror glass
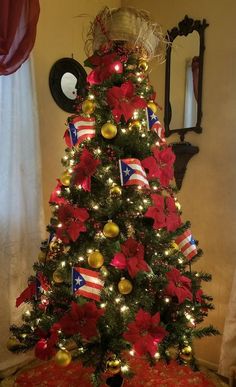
[
  {"x": 184, "y": 81},
  {"x": 68, "y": 85}
]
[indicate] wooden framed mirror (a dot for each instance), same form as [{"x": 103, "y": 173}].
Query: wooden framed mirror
[{"x": 184, "y": 76}]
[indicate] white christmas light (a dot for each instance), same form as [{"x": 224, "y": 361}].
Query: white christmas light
[
  {"x": 132, "y": 352},
  {"x": 124, "y": 308},
  {"x": 157, "y": 355},
  {"x": 124, "y": 368}
]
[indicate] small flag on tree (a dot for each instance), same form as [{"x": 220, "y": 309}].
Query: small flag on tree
[
  {"x": 80, "y": 129},
  {"x": 86, "y": 283},
  {"x": 187, "y": 244},
  {"x": 132, "y": 173},
  {"x": 154, "y": 124}
]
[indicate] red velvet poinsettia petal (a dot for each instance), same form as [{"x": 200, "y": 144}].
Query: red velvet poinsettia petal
[
  {"x": 62, "y": 235},
  {"x": 114, "y": 94},
  {"x": 166, "y": 175},
  {"x": 182, "y": 294},
  {"x": 173, "y": 275},
  {"x": 117, "y": 113},
  {"x": 170, "y": 204},
  {"x": 135, "y": 265},
  {"x": 127, "y": 89},
  {"x": 138, "y": 102},
  {"x": 130, "y": 247},
  {"x": 158, "y": 217},
  {"x": 173, "y": 221},
  {"x": 143, "y": 320},
  {"x": 93, "y": 78},
  {"x": 54, "y": 198},
  {"x": 151, "y": 165},
  {"x": 158, "y": 201},
  {"x": 119, "y": 261},
  {"x": 145, "y": 344},
  {"x": 156, "y": 319},
  {"x": 74, "y": 229},
  {"x": 81, "y": 214},
  {"x": 127, "y": 110},
  {"x": 133, "y": 333},
  {"x": 198, "y": 295}
]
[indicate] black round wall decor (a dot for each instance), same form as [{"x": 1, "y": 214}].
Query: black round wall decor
[{"x": 67, "y": 80}]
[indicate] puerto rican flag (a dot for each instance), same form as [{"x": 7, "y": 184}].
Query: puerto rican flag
[
  {"x": 187, "y": 244},
  {"x": 86, "y": 283},
  {"x": 132, "y": 173},
  {"x": 79, "y": 129},
  {"x": 154, "y": 124}
]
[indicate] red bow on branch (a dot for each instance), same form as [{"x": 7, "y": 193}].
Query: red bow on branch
[
  {"x": 123, "y": 101},
  {"x": 85, "y": 169},
  {"x": 55, "y": 195},
  {"x": 27, "y": 294}
]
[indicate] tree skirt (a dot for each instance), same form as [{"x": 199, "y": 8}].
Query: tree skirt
[{"x": 75, "y": 375}]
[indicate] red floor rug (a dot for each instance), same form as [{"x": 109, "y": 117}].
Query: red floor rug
[{"x": 75, "y": 375}]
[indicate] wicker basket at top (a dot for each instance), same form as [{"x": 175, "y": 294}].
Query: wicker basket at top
[{"x": 128, "y": 25}]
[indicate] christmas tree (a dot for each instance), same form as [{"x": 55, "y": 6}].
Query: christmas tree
[{"x": 114, "y": 278}]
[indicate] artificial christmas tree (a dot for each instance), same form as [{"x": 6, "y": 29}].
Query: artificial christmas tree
[{"x": 115, "y": 279}]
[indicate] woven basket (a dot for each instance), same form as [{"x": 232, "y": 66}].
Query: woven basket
[{"x": 130, "y": 26}]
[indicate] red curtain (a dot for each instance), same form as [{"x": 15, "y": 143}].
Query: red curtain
[{"x": 18, "y": 22}]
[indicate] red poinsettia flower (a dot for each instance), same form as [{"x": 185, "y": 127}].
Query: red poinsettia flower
[
  {"x": 178, "y": 286},
  {"x": 145, "y": 333},
  {"x": 198, "y": 296},
  {"x": 164, "y": 213},
  {"x": 85, "y": 169},
  {"x": 161, "y": 165},
  {"x": 81, "y": 319},
  {"x": 72, "y": 219},
  {"x": 55, "y": 195},
  {"x": 123, "y": 101},
  {"x": 45, "y": 348},
  {"x": 105, "y": 66},
  {"x": 131, "y": 258}
]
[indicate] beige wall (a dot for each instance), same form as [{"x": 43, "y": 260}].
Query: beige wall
[
  {"x": 209, "y": 189},
  {"x": 60, "y": 34}
]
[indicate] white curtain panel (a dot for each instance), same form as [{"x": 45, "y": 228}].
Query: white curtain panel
[
  {"x": 228, "y": 348},
  {"x": 21, "y": 217}
]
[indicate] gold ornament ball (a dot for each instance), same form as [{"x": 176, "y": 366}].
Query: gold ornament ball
[
  {"x": 135, "y": 124},
  {"x": 42, "y": 256},
  {"x": 175, "y": 246},
  {"x": 63, "y": 358},
  {"x": 172, "y": 352},
  {"x": 186, "y": 353},
  {"x": 58, "y": 277},
  {"x": 109, "y": 131},
  {"x": 12, "y": 343},
  {"x": 111, "y": 229},
  {"x": 113, "y": 365},
  {"x": 115, "y": 190},
  {"x": 95, "y": 259},
  {"x": 143, "y": 65},
  {"x": 65, "y": 179},
  {"x": 152, "y": 106},
  {"x": 88, "y": 106},
  {"x": 125, "y": 286}
]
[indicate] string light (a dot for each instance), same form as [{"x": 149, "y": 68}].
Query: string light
[
  {"x": 65, "y": 158},
  {"x": 157, "y": 356},
  {"x": 70, "y": 170},
  {"x": 180, "y": 260},
  {"x": 103, "y": 305},
  {"x": 167, "y": 300},
  {"x": 123, "y": 130},
  {"x": 155, "y": 187},
  {"x": 124, "y": 368},
  {"x": 143, "y": 135},
  {"x": 80, "y": 259},
  {"x": 111, "y": 288},
  {"x": 166, "y": 252},
  {"x": 95, "y": 207},
  {"x": 59, "y": 225},
  {"x": 89, "y": 251},
  {"x": 117, "y": 300},
  {"x": 110, "y": 181},
  {"x": 63, "y": 264},
  {"x": 124, "y": 308},
  {"x": 132, "y": 352}
]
